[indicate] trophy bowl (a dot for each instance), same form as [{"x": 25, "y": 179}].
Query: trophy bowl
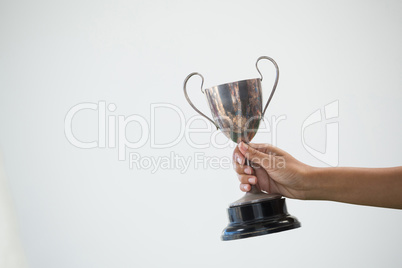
[
  {"x": 237, "y": 111},
  {"x": 237, "y": 108}
]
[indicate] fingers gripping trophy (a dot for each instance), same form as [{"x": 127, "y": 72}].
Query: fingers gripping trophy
[{"x": 237, "y": 111}]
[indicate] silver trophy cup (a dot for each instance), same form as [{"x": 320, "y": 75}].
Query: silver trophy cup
[{"x": 237, "y": 111}]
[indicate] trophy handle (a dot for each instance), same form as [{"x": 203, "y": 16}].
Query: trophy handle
[
  {"x": 275, "y": 84},
  {"x": 188, "y": 99}
]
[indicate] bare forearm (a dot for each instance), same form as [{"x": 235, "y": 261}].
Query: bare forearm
[{"x": 364, "y": 186}]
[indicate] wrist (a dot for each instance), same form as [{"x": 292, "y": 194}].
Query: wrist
[{"x": 313, "y": 185}]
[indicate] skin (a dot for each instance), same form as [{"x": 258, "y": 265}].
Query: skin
[{"x": 275, "y": 171}]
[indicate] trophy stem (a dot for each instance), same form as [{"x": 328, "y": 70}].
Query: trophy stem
[
  {"x": 254, "y": 190},
  {"x": 254, "y": 195}
]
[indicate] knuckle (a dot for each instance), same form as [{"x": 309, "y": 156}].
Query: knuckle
[
  {"x": 243, "y": 179},
  {"x": 239, "y": 169}
]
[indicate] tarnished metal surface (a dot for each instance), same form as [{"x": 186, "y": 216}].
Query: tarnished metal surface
[{"x": 237, "y": 108}]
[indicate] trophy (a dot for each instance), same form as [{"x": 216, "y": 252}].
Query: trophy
[{"x": 237, "y": 111}]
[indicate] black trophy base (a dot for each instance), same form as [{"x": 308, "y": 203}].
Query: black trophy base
[{"x": 260, "y": 218}]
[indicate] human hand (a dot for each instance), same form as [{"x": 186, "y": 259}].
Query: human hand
[
  {"x": 272, "y": 170},
  {"x": 275, "y": 171}
]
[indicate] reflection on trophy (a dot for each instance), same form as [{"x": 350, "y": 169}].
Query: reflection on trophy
[{"x": 237, "y": 111}]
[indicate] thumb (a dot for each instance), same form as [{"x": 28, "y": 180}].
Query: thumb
[{"x": 257, "y": 157}]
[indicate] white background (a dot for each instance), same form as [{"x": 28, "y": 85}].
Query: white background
[{"x": 84, "y": 208}]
